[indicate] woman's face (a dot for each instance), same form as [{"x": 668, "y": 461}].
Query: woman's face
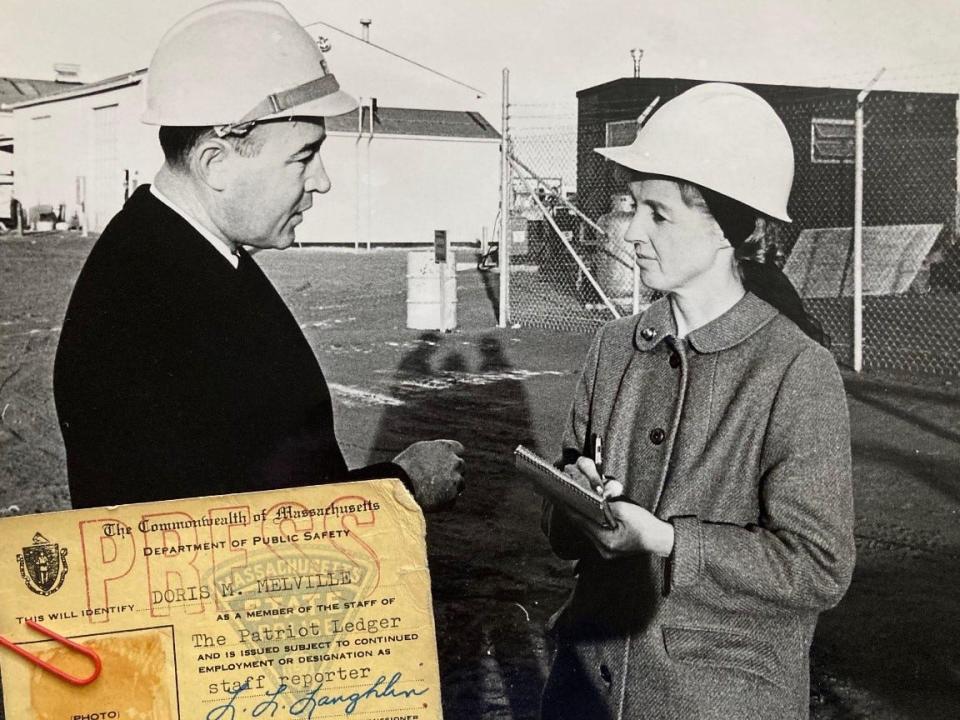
[{"x": 676, "y": 245}]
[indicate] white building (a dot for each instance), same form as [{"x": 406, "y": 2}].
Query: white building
[
  {"x": 397, "y": 175},
  {"x": 14, "y": 90},
  {"x": 6, "y": 165}
]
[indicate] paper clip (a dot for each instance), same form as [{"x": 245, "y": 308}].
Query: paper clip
[{"x": 63, "y": 675}]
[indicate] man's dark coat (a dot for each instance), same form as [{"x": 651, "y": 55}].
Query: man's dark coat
[{"x": 178, "y": 375}]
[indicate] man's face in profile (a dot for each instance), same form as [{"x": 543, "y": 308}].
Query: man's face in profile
[{"x": 270, "y": 189}]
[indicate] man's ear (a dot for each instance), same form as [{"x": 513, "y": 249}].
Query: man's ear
[{"x": 211, "y": 161}]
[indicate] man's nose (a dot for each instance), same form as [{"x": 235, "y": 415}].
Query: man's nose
[{"x": 318, "y": 181}]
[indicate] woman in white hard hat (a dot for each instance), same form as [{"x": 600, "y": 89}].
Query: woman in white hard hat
[{"x": 724, "y": 422}]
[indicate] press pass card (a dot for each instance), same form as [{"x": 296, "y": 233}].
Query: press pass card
[{"x": 305, "y": 603}]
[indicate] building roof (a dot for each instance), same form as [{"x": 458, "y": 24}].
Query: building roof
[
  {"x": 769, "y": 91},
  {"x": 14, "y": 90},
  {"x": 386, "y": 120},
  {"x": 69, "y": 90},
  {"x": 422, "y": 122}
]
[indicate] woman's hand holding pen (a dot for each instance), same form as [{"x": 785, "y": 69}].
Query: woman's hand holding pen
[
  {"x": 637, "y": 529},
  {"x": 586, "y": 471}
]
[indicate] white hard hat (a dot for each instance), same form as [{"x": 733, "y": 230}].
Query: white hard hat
[
  {"x": 722, "y": 137},
  {"x": 236, "y": 62}
]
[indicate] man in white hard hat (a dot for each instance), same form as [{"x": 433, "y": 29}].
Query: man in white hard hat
[{"x": 180, "y": 370}]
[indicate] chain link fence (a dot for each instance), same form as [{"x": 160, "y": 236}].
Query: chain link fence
[
  {"x": 547, "y": 286},
  {"x": 569, "y": 269}
]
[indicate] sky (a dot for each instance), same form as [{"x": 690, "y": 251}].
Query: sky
[{"x": 552, "y": 49}]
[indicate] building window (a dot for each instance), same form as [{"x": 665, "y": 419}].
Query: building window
[
  {"x": 832, "y": 141},
  {"x": 621, "y": 132}
]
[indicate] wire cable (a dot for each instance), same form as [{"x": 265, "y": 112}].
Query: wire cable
[{"x": 396, "y": 55}]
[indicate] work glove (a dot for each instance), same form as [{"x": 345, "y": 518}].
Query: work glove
[{"x": 435, "y": 469}]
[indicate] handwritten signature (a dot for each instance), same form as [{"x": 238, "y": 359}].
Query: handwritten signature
[{"x": 306, "y": 705}]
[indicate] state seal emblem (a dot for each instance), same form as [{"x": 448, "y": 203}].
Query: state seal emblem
[{"x": 43, "y": 565}]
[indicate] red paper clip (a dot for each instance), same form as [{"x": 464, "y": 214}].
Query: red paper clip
[{"x": 63, "y": 675}]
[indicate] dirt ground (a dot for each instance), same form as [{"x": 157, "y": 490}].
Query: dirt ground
[{"x": 890, "y": 650}]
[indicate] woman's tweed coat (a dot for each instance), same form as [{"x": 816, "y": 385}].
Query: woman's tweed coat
[{"x": 739, "y": 436}]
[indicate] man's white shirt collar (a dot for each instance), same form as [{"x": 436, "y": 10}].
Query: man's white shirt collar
[{"x": 220, "y": 246}]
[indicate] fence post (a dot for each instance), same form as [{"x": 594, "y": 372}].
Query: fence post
[
  {"x": 505, "y": 203},
  {"x": 858, "y": 227},
  {"x": 858, "y": 241}
]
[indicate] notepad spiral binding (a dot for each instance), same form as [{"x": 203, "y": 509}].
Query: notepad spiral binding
[{"x": 560, "y": 487}]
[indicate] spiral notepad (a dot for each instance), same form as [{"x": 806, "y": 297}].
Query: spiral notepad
[{"x": 561, "y": 488}]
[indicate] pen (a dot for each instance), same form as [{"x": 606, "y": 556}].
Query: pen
[
  {"x": 598, "y": 460},
  {"x": 598, "y": 463},
  {"x": 598, "y": 454}
]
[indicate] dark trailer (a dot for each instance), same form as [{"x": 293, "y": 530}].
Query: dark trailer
[{"x": 911, "y": 261}]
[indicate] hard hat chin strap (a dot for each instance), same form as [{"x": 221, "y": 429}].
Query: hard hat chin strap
[{"x": 280, "y": 101}]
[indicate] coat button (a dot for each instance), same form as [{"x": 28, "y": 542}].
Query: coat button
[
  {"x": 605, "y": 674},
  {"x": 648, "y": 333},
  {"x": 674, "y": 359},
  {"x": 657, "y": 436}
]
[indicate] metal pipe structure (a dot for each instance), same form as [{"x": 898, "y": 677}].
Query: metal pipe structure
[
  {"x": 637, "y": 55},
  {"x": 505, "y": 188},
  {"x": 858, "y": 226},
  {"x": 358, "y": 204},
  {"x": 646, "y": 112},
  {"x": 566, "y": 203},
  {"x": 573, "y": 253},
  {"x": 858, "y": 242},
  {"x": 368, "y": 199}
]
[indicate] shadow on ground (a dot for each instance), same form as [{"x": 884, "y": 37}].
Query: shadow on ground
[
  {"x": 890, "y": 649},
  {"x": 931, "y": 410},
  {"x": 488, "y": 620}
]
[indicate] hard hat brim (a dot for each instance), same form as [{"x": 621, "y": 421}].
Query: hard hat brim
[
  {"x": 621, "y": 156},
  {"x": 630, "y": 158}
]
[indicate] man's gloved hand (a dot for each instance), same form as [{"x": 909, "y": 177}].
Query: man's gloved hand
[{"x": 435, "y": 469}]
